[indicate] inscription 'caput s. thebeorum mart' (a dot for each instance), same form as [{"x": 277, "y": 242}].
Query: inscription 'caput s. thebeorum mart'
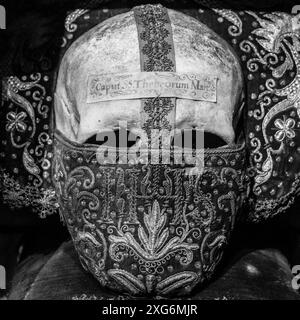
[{"x": 150, "y": 85}]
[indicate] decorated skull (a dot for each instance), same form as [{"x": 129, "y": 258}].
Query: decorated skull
[{"x": 140, "y": 221}]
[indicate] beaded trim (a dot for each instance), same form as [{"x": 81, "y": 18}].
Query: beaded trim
[{"x": 157, "y": 54}]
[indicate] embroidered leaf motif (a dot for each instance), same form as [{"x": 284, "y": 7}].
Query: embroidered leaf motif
[
  {"x": 176, "y": 281},
  {"x": 143, "y": 237},
  {"x": 29, "y": 163},
  {"x": 128, "y": 280},
  {"x": 162, "y": 239},
  {"x": 266, "y": 172},
  {"x": 153, "y": 243},
  {"x": 154, "y": 221}
]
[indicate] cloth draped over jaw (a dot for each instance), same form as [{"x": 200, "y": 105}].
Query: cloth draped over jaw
[{"x": 268, "y": 46}]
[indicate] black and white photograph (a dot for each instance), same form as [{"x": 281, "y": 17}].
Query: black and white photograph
[{"x": 150, "y": 151}]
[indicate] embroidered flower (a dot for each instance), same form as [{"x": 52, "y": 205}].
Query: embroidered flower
[
  {"x": 285, "y": 127},
  {"x": 16, "y": 121}
]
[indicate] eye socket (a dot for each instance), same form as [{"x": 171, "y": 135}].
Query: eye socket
[
  {"x": 116, "y": 141},
  {"x": 187, "y": 138},
  {"x": 197, "y": 139},
  {"x": 213, "y": 141}
]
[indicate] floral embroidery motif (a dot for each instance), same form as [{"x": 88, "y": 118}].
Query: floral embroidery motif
[
  {"x": 278, "y": 37},
  {"x": 27, "y": 181},
  {"x": 285, "y": 129},
  {"x": 270, "y": 56},
  {"x": 146, "y": 229},
  {"x": 15, "y": 121},
  {"x": 17, "y": 196}
]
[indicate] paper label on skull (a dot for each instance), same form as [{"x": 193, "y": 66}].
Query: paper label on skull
[{"x": 139, "y": 85}]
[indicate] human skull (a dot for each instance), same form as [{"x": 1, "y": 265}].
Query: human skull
[
  {"x": 143, "y": 228},
  {"x": 112, "y": 47}
]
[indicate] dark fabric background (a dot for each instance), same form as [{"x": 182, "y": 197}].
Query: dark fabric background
[{"x": 28, "y": 45}]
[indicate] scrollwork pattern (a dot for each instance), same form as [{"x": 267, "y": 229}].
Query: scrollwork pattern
[
  {"x": 70, "y": 25},
  {"x": 275, "y": 47},
  {"x": 155, "y": 253},
  {"x": 268, "y": 45},
  {"x": 26, "y": 139}
]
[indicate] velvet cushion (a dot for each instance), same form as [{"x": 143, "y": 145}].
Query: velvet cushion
[{"x": 257, "y": 275}]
